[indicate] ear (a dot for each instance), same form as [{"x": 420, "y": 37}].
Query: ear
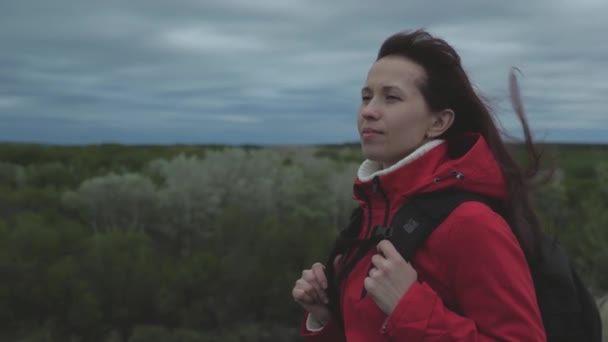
[{"x": 442, "y": 121}]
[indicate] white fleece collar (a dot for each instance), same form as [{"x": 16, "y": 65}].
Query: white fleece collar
[{"x": 369, "y": 169}]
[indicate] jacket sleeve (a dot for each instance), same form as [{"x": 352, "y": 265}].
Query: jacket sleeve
[
  {"x": 314, "y": 331},
  {"x": 491, "y": 282}
]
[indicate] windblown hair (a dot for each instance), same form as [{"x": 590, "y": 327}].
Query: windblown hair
[{"x": 448, "y": 86}]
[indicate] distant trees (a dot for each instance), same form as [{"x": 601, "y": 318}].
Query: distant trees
[
  {"x": 12, "y": 176},
  {"x": 116, "y": 202},
  {"x": 184, "y": 197},
  {"x": 191, "y": 248}
]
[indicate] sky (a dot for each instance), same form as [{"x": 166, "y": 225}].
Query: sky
[{"x": 279, "y": 71}]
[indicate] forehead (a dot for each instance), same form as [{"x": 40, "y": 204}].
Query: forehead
[{"x": 394, "y": 71}]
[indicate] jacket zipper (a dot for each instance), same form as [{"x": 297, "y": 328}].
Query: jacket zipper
[
  {"x": 369, "y": 210},
  {"x": 377, "y": 187}
]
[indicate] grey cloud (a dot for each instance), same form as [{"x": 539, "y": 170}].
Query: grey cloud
[{"x": 237, "y": 68}]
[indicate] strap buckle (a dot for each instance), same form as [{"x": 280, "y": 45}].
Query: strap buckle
[{"x": 382, "y": 231}]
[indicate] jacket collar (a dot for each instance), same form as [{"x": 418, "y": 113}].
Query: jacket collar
[
  {"x": 369, "y": 169},
  {"x": 429, "y": 168}
]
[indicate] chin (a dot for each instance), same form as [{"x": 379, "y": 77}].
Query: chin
[{"x": 372, "y": 153}]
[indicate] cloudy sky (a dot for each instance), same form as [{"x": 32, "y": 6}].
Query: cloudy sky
[{"x": 279, "y": 71}]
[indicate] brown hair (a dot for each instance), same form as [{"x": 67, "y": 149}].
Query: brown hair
[{"x": 448, "y": 86}]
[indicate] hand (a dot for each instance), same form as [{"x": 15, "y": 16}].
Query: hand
[
  {"x": 390, "y": 278},
  {"x": 310, "y": 292}
]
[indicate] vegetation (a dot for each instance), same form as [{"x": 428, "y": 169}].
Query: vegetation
[{"x": 204, "y": 243}]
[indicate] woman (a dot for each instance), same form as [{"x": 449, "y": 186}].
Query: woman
[{"x": 424, "y": 129}]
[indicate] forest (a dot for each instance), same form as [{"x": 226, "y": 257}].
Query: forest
[{"x": 186, "y": 243}]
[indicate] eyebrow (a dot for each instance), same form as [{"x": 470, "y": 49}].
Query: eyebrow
[{"x": 384, "y": 88}]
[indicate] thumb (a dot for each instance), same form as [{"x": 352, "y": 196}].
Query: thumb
[{"x": 338, "y": 263}]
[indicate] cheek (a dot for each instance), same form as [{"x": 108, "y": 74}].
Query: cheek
[
  {"x": 400, "y": 125},
  {"x": 405, "y": 131},
  {"x": 410, "y": 121},
  {"x": 359, "y": 120}
]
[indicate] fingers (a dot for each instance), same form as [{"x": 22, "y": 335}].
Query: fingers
[
  {"x": 374, "y": 272},
  {"x": 379, "y": 262},
  {"x": 300, "y": 296},
  {"x": 310, "y": 288},
  {"x": 338, "y": 263},
  {"x": 306, "y": 292},
  {"x": 312, "y": 284},
  {"x": 319, "y": 282},
  {"x": 388, "y": 250},
  {"x": 319, "y": 272},
  {"x": 370, "y": 286}
]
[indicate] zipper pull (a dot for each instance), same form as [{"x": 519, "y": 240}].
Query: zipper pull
[
  {"x": 458, "y": 175},
  {"x": 384, "y": 326},
  {"x": 376, "y": 183},
  {"x": 454, "y": 173}
]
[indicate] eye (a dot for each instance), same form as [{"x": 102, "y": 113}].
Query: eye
[
  {"x": 365, "y": 98},
  {"x": 393, "y": 98}
]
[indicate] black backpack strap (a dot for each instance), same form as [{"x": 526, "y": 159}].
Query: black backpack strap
[
  {"x": 345, "y": 243},
  {"x": 418, "y": 218}
]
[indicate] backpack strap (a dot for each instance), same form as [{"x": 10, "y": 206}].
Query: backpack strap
[
  {"x": 418, "y": 218},
  {"x": 568, "y": 309}
]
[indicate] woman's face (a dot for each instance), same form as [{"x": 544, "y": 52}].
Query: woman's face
[{"x": 394, "y": 117}]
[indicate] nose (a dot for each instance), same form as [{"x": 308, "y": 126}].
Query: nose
[{"x": 369, "y": 112}]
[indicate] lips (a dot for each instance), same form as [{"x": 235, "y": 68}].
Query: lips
[{"x": 370, "y": 131}]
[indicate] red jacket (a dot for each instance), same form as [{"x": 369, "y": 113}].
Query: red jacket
[{"x": 473, "y": 284}]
